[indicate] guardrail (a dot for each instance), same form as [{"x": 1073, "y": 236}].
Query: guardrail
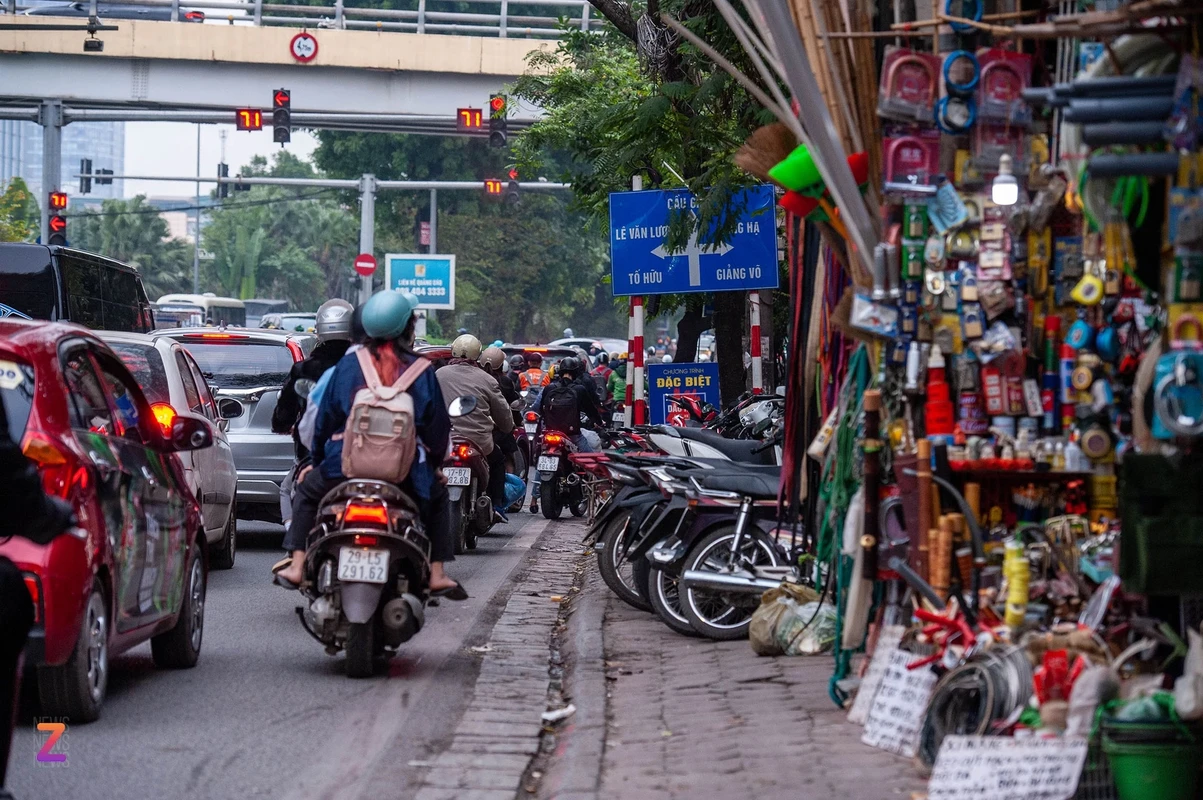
[{"x": 424, "y": 19}]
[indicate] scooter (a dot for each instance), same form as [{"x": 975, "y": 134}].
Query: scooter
[
  {"x": 467, "y": 475},
  {"x": 559, "y": 478},
  {"x": 367, "y": 569}
]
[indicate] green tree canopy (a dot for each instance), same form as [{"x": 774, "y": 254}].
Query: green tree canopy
[{"x": 20, "y": 216}]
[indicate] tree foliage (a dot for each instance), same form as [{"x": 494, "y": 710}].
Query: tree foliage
[
  {"x": 132, "y": 231},
  {"x": 19, "y": 213}
]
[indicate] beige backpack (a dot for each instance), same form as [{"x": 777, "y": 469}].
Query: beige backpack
[{"x": 381, "y": 441}]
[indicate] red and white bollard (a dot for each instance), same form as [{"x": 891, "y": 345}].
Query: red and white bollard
[
  {"x": 628, "y": 412},
  {"x": 757, "y": 358},
  {"x": 637, "y": 355}
]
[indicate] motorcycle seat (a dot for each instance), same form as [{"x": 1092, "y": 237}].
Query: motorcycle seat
[
  {"x": 758, "y": 484},
  {"x": 740, "y": 450}
]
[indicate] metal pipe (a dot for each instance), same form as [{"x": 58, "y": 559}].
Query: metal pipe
[
  {"x": 334, "y": 183},
  {"x": 24, "y": 113},
  {"x": 196, "y": 235},
  {"x": 367, "y": 229},
  {"x": 51, "y": 120},
  {"x": 742, "y": 582}
]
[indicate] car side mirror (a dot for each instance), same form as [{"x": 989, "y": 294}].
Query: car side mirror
[
  {"x": 223, "y": 424},
  {"x": 191, "y": 433},
  {"x": 229, "y": 408}
]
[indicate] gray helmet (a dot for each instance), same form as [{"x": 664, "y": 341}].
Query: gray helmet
[
  {"x": 334, "y": 321},
  {"x": 466, "y": 346},
  {"x": 517, "y": 362}
]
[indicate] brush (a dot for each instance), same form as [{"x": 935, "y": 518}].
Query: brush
[{"x": 767, "y": 147}]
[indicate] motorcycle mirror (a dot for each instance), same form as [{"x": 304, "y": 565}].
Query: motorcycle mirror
[
  {"x": 303, "y": 387},
  {"x": 462, "y": 406}
]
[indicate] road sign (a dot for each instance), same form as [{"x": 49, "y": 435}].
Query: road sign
[
  {"x": 677, "y": 380},
  {"x": 365, "y": 264},
  {"x": 430, "y": 277},
  {"x": 424, "y": 234},
  {"x": 303, "y": 47},
  {"x": 640, "y": 264}
]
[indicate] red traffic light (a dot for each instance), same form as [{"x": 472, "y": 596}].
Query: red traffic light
[
  {"x": 493, "y": 187},
  {"x": 58, "y": 224},
  {"x": 58, "y": 201},
  {"x": 497, "y": 104},
  {"x": 248, "y": 119},
  {"x": 282, "y": 98},
  {"x": 513, "y": 174}
]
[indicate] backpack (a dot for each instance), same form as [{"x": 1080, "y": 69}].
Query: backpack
[
  {"x": 561, "y": 408},
  {"x": 381, "y": 439},
  {"x": 308, "y": 424}
]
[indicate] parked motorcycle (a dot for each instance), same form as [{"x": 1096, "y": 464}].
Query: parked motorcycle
[
  {"x": 367, "y": 569},
  {"x": 467, "y": 475}
]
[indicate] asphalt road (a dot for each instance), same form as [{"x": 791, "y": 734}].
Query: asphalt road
[{"x": 266, "y": 713}]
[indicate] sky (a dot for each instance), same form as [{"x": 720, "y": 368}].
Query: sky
[{"x": 169, "y": 148}]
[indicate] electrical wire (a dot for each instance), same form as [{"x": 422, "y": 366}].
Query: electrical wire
[{"x": 315, "y": 195}]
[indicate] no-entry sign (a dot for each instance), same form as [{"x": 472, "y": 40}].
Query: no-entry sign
[{"x": 365, "y": 264}]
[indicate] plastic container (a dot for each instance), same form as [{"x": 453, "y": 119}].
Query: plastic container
[{"x": 1153, "y": 770}]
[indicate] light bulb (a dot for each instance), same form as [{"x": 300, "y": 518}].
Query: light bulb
[{"x": 1005, "y": 189}]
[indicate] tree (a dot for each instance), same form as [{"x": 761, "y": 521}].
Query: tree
[
  {"x": 20, "y": 216},
  {"x": 636, "y": 100},
  {"x": 133, "y": 231}
]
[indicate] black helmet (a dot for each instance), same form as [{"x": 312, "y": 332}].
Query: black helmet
[
  {"x": 570, "y": 366},
  {"x": 517, "y": 362}
]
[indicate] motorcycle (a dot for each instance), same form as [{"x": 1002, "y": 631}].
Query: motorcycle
[
  {"x": 467, "y": 475},
  {"x": 559, "y": 478},
  {"x": 367, "y": 570}
]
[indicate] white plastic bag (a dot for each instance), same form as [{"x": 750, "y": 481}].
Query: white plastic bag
[
  {"x": 1188, "y": 690},
  {"x": 806, "y": 629}
]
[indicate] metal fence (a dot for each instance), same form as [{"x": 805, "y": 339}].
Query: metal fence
[{"x": 492, "y": 19}]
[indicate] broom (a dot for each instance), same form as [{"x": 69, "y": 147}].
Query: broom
[{"x": 767, "y": 147}]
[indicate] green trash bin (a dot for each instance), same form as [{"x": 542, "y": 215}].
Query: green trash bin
[{"x": 1144, "y": 770}]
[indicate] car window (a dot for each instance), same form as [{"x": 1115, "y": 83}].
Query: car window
[
  {"x": 124, "y": 401},
  {"x": 121, "y": 310},
  {"x": 203, "y": 387},
  {"x": 241, "y": 365},
  {"x": 27, "y": 281},
  {"x": 85, "y": 396},
  {"x": 190, "y": 390},
  {"x": 83, "y": 280},
  {"x": 144, "y": 361},
  {"x": 16, "y": 392}
]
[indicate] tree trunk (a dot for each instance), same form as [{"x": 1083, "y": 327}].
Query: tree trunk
[
  {"x": 728, "y": 341},
  {"x": 689, "y": 330}
]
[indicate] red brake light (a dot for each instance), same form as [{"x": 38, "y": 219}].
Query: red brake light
[
  {"x": 462, "y": 451},
  {"x": 222, "y": 336},
  {"x": 366, "y": 541},
  {"x": 52, "y": 463},
  {"x": 374, "y": 514},
  {"x": 34, "y": 587},
  {"x": 295, "y": 349},
  {"x": 532, "y": 416},
  {"x": 536, "y": 349},
  {"x": 164, "y": 415},
  {"x": 553, "y": 438}
]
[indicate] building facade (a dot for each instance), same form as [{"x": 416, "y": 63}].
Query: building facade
[{"x": 21, "y": 155}]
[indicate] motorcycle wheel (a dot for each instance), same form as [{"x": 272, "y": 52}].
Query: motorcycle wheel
[
  {"x": 459, "y": 527},
  {"x": 576, "y": 501},
  {"x": 518, "y": 462},
  {"x": 361, "y": 649},
  {"x": 664, "y": 596},
  {"x": 470, "y": 529},
  {"x": 549, "y": 498},
  {"x": 619, "y": 576},
  {"x": 724, "y": 615}
]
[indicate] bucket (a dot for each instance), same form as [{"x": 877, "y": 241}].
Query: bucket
[{"x": 1153, "y": 771}]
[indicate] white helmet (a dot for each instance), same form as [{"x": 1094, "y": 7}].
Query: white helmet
[
  {"x": 466, "y": 346},
  {"x": 667, "y": 359},
  {"x": 568, "y": 333}
]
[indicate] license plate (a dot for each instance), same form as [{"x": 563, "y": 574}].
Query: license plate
[
  {"x": 531, "y": 428},
  {"x": 362, "y": 565},
  {"x": 457, "y": 476},
  {"x": 549, "y": 463}
]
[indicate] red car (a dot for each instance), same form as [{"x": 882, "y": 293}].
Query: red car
[{"x": 135, "y": 567}]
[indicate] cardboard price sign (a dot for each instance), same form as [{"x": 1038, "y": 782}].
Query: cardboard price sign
[
  {"x": 896, "y": 716},
  {"x": 887, "y": 642},
  {"x": 1002, "y": 768}
]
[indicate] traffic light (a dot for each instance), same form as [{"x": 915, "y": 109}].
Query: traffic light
[
  {"x": 223, "y": 189},
  {"x": 512, "y": 196},
  {"x": 497, "y": 125},
  {"x": 58, "y": 229},
  {"x": 282, "y": 115},
  {"x": 58, "y": 201},
  {"x": 241, "y": 187},
  {"x": 85, "y": 176},
  {"x": 104, "y": 181},
  {"x": 493, "y": 187}
]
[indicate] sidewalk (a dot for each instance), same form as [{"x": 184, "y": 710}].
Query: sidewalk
[{"x": 690, "y": 718}]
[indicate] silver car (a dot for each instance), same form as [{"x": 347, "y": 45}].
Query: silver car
[
  {"x": 172, "y": 382},
  {"x": 246, "y": 369}
]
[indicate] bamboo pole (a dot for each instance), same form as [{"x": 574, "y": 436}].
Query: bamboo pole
[{"x": 923, "y": 485}]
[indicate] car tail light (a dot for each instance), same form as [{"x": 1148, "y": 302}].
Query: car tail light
[
  {"x": 34, "y": 586},
  {"x": 532, "y": 416},
  {"x": 53, "y": 464},
  {"x": 462, "y": 451},
  {"x": 366, "y": 541},
  {"x": 164, "y": 415},
  {"x": 221, "y": 336},
  {"x": 297, "y": 353},
  {"x": 358, "y": 512},
  {"x": 198, "y": 16},
  {"x": 553, "y": 438}
]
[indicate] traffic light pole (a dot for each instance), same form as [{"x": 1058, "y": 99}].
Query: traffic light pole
[
  {"x": 367, "y": 229},
  {"x": 50, "y": 117}
]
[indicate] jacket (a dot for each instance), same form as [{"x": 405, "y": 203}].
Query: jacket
[
  {"x": 289, "y": 405},
  {"x": 533, "y": 376},
  {"x": 462, "y": 377},
  {"x": 509, "y": 387},
  {"x": 586, "y": 404},
  {"x": 617, "y": 384},
  {"x": 430, "y": 417}
]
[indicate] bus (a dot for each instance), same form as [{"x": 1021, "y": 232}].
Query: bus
[
  {"x": 213, "y": 309},
  {"x": 257, "y": 308}
]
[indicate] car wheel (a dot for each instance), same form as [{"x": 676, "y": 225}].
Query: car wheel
[
  {"x": 76, "y": 689},
  {"x": 361, "y": 649},
  {"x": 179, "y": 648},
  {"x": 226, "y": 548}
]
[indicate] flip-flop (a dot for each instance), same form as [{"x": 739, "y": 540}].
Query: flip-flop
[
  {"x": 281, "y": 564},
  {"x": 455, "y": 592},
  {"x": 285, "y": 583}
]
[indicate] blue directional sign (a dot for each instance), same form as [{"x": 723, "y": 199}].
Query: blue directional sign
[
  {"x": 675, "y": 380},
  {"x": 431, "y": 278},
  {"x": 640, "y": 264}
]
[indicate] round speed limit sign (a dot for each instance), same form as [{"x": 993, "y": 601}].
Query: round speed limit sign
[{"x": 303, "y": 47}]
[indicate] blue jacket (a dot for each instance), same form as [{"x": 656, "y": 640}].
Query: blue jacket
[{"x": 430, "y": 412}]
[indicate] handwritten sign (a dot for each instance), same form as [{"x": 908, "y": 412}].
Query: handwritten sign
[
  {"x": 1001, "y": 768},
  {"x": 887, "y": 642},
  {"x": 896, "y": 716}
]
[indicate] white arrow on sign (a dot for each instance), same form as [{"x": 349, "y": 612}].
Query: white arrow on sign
[{"x": 694, "y": 252}]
